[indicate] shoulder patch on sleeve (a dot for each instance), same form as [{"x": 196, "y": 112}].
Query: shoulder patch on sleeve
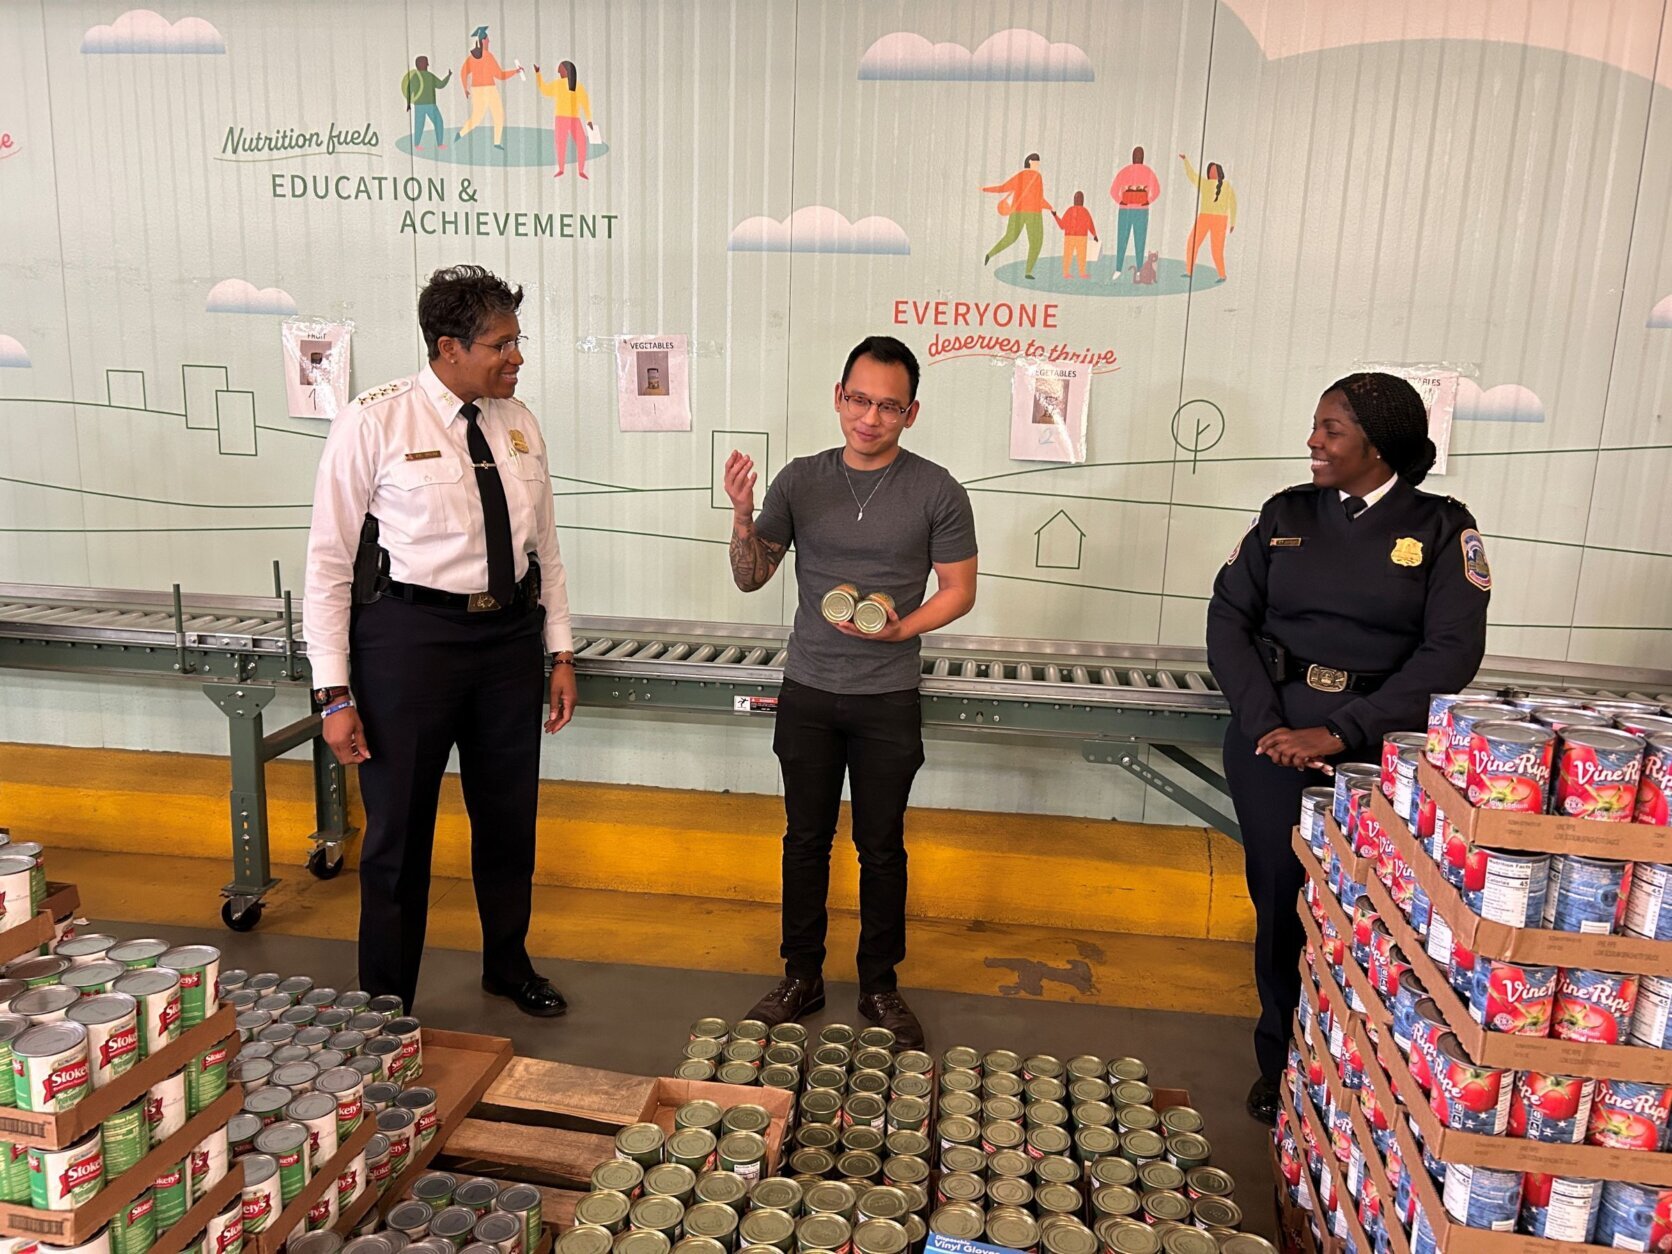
[
  {"x": 383, "y": 393},
  {"x": 1475, "y": 567},
  {"x": 1236, "y": 548}
]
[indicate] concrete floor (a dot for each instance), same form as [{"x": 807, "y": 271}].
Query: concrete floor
[{"x": 634, "y": 1019}]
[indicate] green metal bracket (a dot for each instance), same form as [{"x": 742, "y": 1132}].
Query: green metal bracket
[
  {"x": 251, "y": 853},
  {"x": 1126, "y": 755}
]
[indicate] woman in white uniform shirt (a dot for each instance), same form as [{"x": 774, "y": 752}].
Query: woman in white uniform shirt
[{"x": 450, "y": 652}]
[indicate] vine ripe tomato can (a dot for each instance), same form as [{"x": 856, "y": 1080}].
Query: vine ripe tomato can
[
  {"x": 1509, "y": 766},
  {"x": 1513, "y": 997},
  {"x": 1635, "y": 1216},
  {"x": 1649, "y": 903},
  {"x": 1651, "y": 1025},
  {"x": 1629, "y": 1114},
  {"x": 1560, "y": 1208},
  {"x": 1585, "y": 895},
  {"x": 1439, "y": 726},
  {"x": 1597, "y": 772},
  {"x": 1464, "y": 716},
  {"x": 1594, "y": 1006},
  {"x": 1468, "y": 1097},
  {"x": 1505, "y": 886},
  {"x": 1554, "y": 1109},
  {"x": 1393, "y": 744},
  {"x": 1483, "y": 1197},
  {"x": 1654, "y": 786}
]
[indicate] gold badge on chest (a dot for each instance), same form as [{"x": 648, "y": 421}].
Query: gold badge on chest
[
  {"x": 1407, "y": 551},
  {"x": 519, "y": 441}
]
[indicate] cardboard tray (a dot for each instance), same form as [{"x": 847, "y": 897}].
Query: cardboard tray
[
  {"x": 203, "y": 1210},
  {"x": 1536, "y": 945},
  {"x": 460, "y": 1067},
  {"x": 1544, "y": 833},
  {"x": 669, "y": 1095},
  {"x": 1344, "y": 1199},
  {"x": 73, "y": 1227},
  {"x": 1491, "y": 1049},
  {"x": 54, "y": 1131},
  {"x": 61, "y": 899}
]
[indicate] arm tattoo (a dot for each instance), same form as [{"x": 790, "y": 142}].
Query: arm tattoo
[{"x": 753, "y": 560}]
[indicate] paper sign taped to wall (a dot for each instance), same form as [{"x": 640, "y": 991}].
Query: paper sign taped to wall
[
  {"x": 1437, "y": 385},
  {"x": 1048, "y": 411},
  {"x": 315, "y": 366},
  {"x": 652, "y": 383}
]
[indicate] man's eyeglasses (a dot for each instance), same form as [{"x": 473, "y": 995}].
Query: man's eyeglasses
[
  {"x": 858, "y": 404},
  {"x": 504, "y": 347}
]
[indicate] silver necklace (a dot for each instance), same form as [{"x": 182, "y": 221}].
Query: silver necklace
[{"x": 860, "y": 517}]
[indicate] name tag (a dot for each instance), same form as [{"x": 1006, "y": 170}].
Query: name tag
[
  {"x": 1286, "y": 542},
  {"x": 423, "y": 456}
]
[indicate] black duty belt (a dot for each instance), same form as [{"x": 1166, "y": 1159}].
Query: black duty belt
[
  {"x": 1284, "y": 666},
  {"x": 527, "y": 593}
]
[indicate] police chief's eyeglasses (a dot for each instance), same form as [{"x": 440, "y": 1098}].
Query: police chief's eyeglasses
[
  {"x": 857, "y": 403},
  {"x": 504, "y": 347}
]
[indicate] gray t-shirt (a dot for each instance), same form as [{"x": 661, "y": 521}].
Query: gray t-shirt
[{"x": 918, "y": 516}]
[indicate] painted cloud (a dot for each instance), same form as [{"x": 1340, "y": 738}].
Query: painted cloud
[
  {"x": 1508, "y": 402},
  {"x": 1660, "y": 317},
  {"x": 237, "y": 296},
  {"x": 141, "y": 30},
  {"x": 817, "y": 229},
  {"x": 1011, "y": 56},
  {"x": 12, "y": 354}
]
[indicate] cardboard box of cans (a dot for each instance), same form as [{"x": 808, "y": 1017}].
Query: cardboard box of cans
[
  {"x": 669, "y": 1095},
  {"x": 460, "y": 1212}
]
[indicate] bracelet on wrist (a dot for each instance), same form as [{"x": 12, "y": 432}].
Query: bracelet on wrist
[{"x": 347, "y": 703}]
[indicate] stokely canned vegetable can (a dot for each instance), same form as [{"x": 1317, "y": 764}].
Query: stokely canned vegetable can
[
  {"x": 1586, "y": 894},
  {"x": 224, "y": 1233},
  {"x": 523, "y": 1201},
  {"x": 286, "y": 1143},
  {"x": 165, "y": 1107},
  {"x": 262, "y": 1199},
  {"x": 66, "y": 1178},
  {"x": 421, "y": 1102},
  {"x": 127, "y": 1138},
  {"x": 347, "y": 1086},
  {"x": 408, "y": 1067},
  {"x": 1560, "y": 1208},
  {"x": 112, "y": 1024},
  {"x": 1635, "y": 1216},
  {"x": 199, "y": 967},
  {"x": 1512, "y": 997},
  {"x": 1509, "y": 766},
  {"x": 1552, "y": 1108},
  {"x": 206, "y": 1078},
  {"x": 207, "y": 1165},
  {"x": 1629, "y": 1114},
  {"x": 317, "y": 1112},
  {"x": 50, "y": 1067},
  {"x": 1467, "y": 1097},
  {"x": 1597, "y": 772},
  {"x": 377, "y": 1163},
  {"x": 14, "y": 1173},
  {"x": 397, "y": 1124},
  {"x": 133, "y": 1228},
  {"x": 1483, "y": 1197},
  {"x": 157, "y": 992},
  {"x": 1594, "y": 1006}
]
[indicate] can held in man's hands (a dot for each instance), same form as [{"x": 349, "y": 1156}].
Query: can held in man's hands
[
  {"x": 871, "y": 615},
  {"x": 63, "y": 1179},
  {"x": 837, "y": 606},
  {"x": 1597, "y": 773},
  {"x": 1586, "y": 894}
]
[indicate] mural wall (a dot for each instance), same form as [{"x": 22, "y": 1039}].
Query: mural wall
[{"x": 1217, "y": 206}]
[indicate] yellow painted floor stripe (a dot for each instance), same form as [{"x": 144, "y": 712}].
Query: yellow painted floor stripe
[
  {"x": 1025, "y": 870},
  {"x": 641, "y": 929}
]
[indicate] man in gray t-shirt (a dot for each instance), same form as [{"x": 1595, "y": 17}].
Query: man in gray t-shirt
[{"x": 872, "y": 515}]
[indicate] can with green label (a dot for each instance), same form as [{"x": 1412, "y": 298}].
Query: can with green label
[
  {"x": 199, "y": 967},
  {"x": 523, "y": 1201},
  {"x": 206, "y": 1078},
  {"x": 286, "y": 1142},
  {"x": 160, "y": 1001},
  {"x": 225, "y": 1232},
  {"x": 63, "y": 1179},
  {"x": 133, "y": 1228},
  {"x": 170, "y": 1194},
  {"x": 14, "y": 1172},
  {"x": 262, "y": 1201},
  {"x": 137, "y": 955},
  {"x": 127, "y": 1138}
]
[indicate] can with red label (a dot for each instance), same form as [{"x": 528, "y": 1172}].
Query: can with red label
[
  {"x": 63, "y": 1179},
  {"x": 50, "y": 1067},
  {"x": 224, "y": 1233},
  {"x": 1594, "y": 1006},
  {"x": 1597, "y": 772},
  {"x": 1651, "y": 1025},
  {"x": 1635, "y": 1216},
  {"x": 112, "y": 1024},
  {"x": 1506, "y": 886},
  {"x": 1629, "y": 1114},
  {"x": 1393, "y": 744},
  {"x": 207, "y": 1165},
  {"x": 1513, "y": 997},
  {"x": 1555, "y": 1109},
  {"x": 1464, "y": 716},
  {"x": 1654, "y": 786},
  {"x": 1439, "y": 726},
  {"x": 1468, "y": 1097},
  {"x": 165, "y": 1107},
  {"x": 1509, "y": 766}
]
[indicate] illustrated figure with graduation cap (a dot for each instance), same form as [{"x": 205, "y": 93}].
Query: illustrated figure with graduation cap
[{"x": 481, "y": 76}]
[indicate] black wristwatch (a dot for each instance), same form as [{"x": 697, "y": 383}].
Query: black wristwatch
[{"x": 322, "y": 696}]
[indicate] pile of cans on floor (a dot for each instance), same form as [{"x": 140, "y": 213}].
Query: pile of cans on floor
[
  {"x": 1462, "y": 1048},
  {"x": 74, "y": 1019},
  {"x": 443, "y": 1214},
  {"x": 315, "y": 1063},
  {"x": 887, "y": 1147}
]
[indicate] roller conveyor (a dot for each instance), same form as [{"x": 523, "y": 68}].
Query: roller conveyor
[{"x": 1114, "y": 701}]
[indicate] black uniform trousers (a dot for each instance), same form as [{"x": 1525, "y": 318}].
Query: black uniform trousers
[
  {"x": 1267, "y": 801},
  {"x": 426, "y": 679},
  {"x": 876, "y": 741}
]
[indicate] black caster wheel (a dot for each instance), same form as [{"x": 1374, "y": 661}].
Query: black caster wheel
[
  {"x": 320, "y": 868},
  {"x": 241, "y": 920}
]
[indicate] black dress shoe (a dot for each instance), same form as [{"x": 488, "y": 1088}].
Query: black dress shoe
[
  {"x": 889, "y": 1010},
  {"x": 534, "y": 996},
  {"x": 791, "y": 998},
  {"x": 1264, "y": 1100}
]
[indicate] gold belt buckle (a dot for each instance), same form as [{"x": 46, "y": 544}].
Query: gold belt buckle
[
  {"x": 1326, "y": 679},
  {"x": 480, "y": 601}
]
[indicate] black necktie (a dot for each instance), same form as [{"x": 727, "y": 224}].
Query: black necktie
[
  {"x": 1354, "y": 505},
  {"x": 496, "y": 515}
]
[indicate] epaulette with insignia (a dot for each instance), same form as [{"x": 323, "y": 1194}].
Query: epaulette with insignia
[
  {"x": 1454, "y": 501},
  {"x": 519, "y": 400},
  {"x": 1298, "y": 487},
  {"x": 383, "y": 393}
]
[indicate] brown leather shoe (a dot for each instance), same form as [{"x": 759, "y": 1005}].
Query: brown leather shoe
[
  {"x": 890, "y": 1011},
  {"x": 791, "y": 998}
]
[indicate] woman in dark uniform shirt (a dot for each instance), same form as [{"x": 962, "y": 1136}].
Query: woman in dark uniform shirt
[{"x": 1346, "y": 604}]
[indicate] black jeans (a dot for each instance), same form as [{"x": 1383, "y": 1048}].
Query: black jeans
[
  {"x": 425, "y": 680},
  {"x": 876, "y": 740}
]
